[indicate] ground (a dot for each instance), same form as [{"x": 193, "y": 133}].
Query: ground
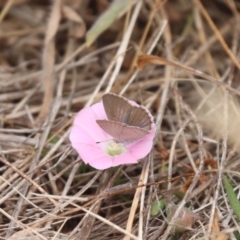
[{"x": 59, "y": 57}]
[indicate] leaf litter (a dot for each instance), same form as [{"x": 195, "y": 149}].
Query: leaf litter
[{"x": 58, "y": 57}]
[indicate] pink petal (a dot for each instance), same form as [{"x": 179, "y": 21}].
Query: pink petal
[
  {"x": 141, "y": 150},
  {"x": 99, "y": 111},
  {"x": 86, "y": 120},
  {"x": 124, "y": 158},
  {"x": 94, "y": 155},
  {"x": 77, "y": 135},
  {"x": 88, "y": 152},
  {"x": 142, "y": 147},
  {"x": 102, "y": 163}
]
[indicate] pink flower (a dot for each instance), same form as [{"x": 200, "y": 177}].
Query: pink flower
[{"x": 99, "y": 149}]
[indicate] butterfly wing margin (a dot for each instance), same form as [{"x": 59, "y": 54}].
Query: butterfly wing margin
[{"x": 140, "y": 117}]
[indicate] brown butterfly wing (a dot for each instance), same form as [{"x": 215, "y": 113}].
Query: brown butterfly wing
[
  {"x": 122, "y": 132},
  {"x": 140, "y": 117},
  {"x": 116, "y": 107},
  {"x": 119, "y": 109}
]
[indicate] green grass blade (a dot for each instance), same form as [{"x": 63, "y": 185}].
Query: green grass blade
[
  {"x": 116, "y": 9},
  {"x": 232, "y": 197}
]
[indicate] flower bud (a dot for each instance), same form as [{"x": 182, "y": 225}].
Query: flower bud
[
  {"x": 183, "y": 221},
  {"x": 157, "y": 206}
]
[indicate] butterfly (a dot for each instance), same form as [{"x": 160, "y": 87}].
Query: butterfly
[{"x": 126, "y": 123}]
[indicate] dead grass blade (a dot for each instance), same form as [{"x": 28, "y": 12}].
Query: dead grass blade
[
  {"x": 216, "y": 230},
  {"x": 144, "y": 60},
  {"x": 48, "y": 60},
  {"x": 79, "y": 29},
  {"x": 219, "y": 36},
  {"x": 29, "y": 180}
]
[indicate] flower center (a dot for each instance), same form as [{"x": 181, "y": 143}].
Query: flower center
[{"x": 114, "y": 148}]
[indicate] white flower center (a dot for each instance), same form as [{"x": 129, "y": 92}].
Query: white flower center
[{"x": 114, "y": 148}]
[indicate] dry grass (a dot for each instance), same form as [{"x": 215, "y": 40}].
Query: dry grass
[{"x": 47, "y": 74}]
